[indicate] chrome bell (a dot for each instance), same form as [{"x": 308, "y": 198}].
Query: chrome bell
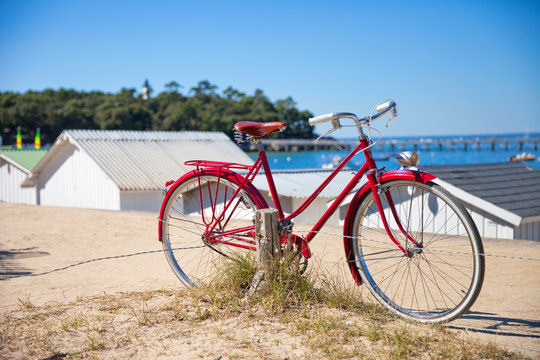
[{"x": 407, "y": 158}]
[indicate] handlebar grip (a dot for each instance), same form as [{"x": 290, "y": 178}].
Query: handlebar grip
[
  {"x": 321, "y": 119},
  {"x": 384, "y": 106}
]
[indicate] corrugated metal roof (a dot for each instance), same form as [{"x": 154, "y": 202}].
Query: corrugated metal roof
[
  {"x": 27, "y": 158},
  {"x": 124, "y": 135},
  {"x": 511, "y": 186},
  {"x": 302, "y": 183},
  {"x": 141, "y": 160}
]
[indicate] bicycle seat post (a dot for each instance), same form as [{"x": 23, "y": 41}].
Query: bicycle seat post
[{"x": 257, "y": 143}]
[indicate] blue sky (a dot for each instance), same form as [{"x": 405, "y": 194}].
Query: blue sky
[{"x": 454, "y": 67}]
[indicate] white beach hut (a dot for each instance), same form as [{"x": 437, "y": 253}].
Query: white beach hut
[
  {"x": 122, "y": 170},
  {"x": 15, "y": 166},
  {"x": 502, "y": 198}
]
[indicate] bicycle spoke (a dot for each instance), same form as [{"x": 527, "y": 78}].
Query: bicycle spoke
[{"x": 442, "y": 261}]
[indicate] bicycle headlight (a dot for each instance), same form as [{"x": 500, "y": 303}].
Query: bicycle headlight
[{"x": 407, "y": 158}]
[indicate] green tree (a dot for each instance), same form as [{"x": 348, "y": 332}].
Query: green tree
[
  {"x": 123, "y": 111},
  {"x": 173, "y": 86},
  {"x": 297, "y": 124},
  {"x": 204, "y": 109}
]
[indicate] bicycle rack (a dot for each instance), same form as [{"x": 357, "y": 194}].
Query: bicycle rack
[{"x": 216, "y": 164}]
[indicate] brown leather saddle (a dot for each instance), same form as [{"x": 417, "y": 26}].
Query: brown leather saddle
[{"x": 257, "y": 129}]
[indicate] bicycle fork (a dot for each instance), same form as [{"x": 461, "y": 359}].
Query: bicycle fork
[{"x": 375, "y": 187}]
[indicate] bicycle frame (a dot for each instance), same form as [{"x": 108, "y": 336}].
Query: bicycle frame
[{"x": 374, "y": 177}]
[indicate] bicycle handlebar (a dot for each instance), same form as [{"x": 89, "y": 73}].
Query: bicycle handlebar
[
  {"x": 385, "y": 106},
  {"x": 381, "y": 110},
  {"x": 332, "y": 116},
  {"x": 321, "y": 119}
]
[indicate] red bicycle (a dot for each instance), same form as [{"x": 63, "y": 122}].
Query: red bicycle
[{"x": 407, "y": 239}]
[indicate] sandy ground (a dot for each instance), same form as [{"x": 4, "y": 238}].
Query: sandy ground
[{"x": 53, "y": 254}]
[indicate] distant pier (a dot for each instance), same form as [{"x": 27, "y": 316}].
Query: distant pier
[
  {"x": 395, "y": 145},
  {"x": 293, "y": 145}
]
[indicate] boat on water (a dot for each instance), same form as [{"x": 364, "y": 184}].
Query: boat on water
[
  {"x": 332, "y": 165},
  {"x": 522, "y": 157}
]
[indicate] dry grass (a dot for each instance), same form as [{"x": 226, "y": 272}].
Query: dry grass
[{"x": 289, "y": 316}]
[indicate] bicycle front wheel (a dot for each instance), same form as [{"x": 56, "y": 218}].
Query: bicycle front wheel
[
  {"x": 204, "y": 221},
  {"x": 437, "y": 274}
]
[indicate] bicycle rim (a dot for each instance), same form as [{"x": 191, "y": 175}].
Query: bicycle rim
[
  {"x": 443, "y": 274},
  {"x": 198, "y": 234}
]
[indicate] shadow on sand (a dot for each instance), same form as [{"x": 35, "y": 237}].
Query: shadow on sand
[
  {"x": 9, "y": 261},
  {"x": 489, "y": 323}
]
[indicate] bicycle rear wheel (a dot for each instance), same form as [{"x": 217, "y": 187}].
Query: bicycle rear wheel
[
  {"x": 440, "y": 274},
  {"x": 203, "y": 223}
]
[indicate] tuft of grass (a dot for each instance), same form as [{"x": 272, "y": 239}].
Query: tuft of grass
[
  {"x": 74, "y": 322},
  {"x": 144, "y": 316},
  {"x": 95, "y": 342},
  {"x": 284, "y": 291},
  {"x": 280, "y": 289},
  {"x": 26, "y": 305},
  {"x": 373, "y": 332}
]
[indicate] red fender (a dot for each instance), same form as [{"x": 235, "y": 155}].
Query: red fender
[
  {"x": 222, "y": 172},
  {"x": 360, "y": 195}
]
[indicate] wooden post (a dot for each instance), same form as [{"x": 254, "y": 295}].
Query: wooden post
[
  {"x": 268, "y": 246},
  {"x": 267, "y": 235}
]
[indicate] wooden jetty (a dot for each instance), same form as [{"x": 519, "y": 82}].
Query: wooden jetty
[{"x": 395, "y": 145}]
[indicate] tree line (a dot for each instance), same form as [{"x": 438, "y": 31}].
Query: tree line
[{"x": 202, "y": 109}]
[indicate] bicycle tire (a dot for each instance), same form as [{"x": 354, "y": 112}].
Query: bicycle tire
[
  {"x": 443, "y": 275},
  {"x": 189, "y": 230}
]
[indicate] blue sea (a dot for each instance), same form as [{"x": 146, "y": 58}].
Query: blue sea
[{"x": 433, "y": 156}]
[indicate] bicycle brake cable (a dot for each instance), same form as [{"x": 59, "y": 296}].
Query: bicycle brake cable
[{"x": 370, "y": 128}]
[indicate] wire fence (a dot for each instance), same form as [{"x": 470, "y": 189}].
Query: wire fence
[{"x": 6, "y": 277}]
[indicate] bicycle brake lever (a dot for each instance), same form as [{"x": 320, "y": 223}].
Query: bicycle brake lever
[
  {"x": 391, "y": 118},
  {"x": 328, "y": 132},
  {"x": 336, "y": 126},
  {"x": 394, "y": 114}
]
